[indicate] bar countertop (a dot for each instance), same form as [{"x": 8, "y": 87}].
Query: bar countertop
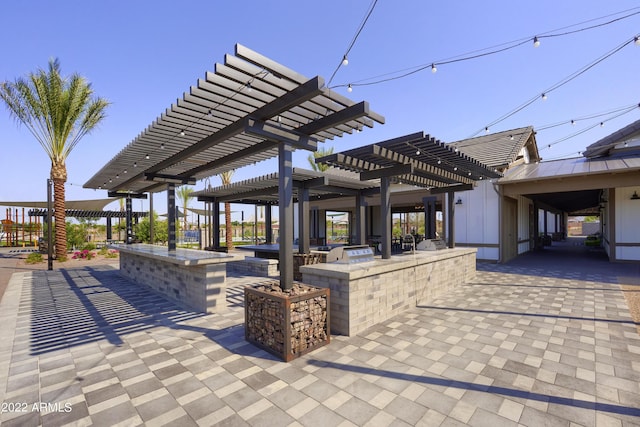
[{"x": 186, "y": 257}]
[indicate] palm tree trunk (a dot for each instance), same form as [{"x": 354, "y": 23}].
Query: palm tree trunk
[
  {"x": 59, "y": 177},
  {"x": 228, "y": 225}
]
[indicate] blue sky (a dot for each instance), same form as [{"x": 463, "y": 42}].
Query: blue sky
[{"x": 143, "y": 55}]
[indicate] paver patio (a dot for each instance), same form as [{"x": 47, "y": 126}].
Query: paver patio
[{"x": 526, "y": 343}]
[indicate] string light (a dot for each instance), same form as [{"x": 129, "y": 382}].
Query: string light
[
  {"x": 636, "y": 40},
  {"x": 135, "y": 164},
  {"x": 181, "y": 133},
  {"x": 162, "y": 146},
  {"x": 146, "y": 157},
  {"x": 489, "y": 50},
  {"x": 559, "y": 84},
  {"x": 349, "y": 88},
  {"x": 544, "y": 96},
  {"x": 345, "y": 60},
  {"x": 433, "y": 68}
]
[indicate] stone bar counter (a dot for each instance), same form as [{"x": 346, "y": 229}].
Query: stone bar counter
[
  {"x": 364, "y": 294},
  {"x": 194, "y": 279}
]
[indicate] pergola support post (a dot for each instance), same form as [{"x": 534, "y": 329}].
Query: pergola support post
[
  {"x": 303, "y": 221},
  {"x": 109, "y": 229},
  {"x": 129, "y": 223},
  {"x": 451, "y": 224},
  {"x": 429, "y": 216},
  {"x": 285, "y": 209},
  {"x": 268, "y": 220},
  {"x": 385, "y": 216},
  {"x": 171, "y": 215},
  {"x": 215, "y": 223},
  {"x": 360, "y": 223},
  {"x": 152, "y": 222}
]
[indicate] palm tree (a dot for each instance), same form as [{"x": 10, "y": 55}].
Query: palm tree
[
  {"x": 58, "y": 111},
  {"x": 225, "y": 177},
  {"x": 316, "y": 155},
  {"x": 184, "y": 194}
]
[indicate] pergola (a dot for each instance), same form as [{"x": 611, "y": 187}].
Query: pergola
[
  {"x": 248, "y": 110},
  {"x": 416, "y": 159},
  {"x": 307, "y": 185}
]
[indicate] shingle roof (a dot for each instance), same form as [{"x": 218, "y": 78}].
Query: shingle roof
[
  {"x": 499, "y": 149},
  {"x": 606, "y": 145}
]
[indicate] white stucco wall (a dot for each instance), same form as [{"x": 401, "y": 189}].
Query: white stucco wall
[
  {"x": 477, "y": 220},
  {"x": 627, "y": 232}
]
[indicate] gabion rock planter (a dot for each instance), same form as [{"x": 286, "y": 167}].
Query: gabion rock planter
[{"x": 288, "y": 323}]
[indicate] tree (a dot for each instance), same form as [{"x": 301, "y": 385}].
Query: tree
[
  {"x": 316, "y": 155},
  {"x": 160, "y": 229},
  {"x": 225, "y": 177},
  {"x": 184, "y": 194},
  {"x": 58, "y": 111}
]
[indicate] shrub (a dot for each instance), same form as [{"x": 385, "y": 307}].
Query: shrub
[
  {"x": 34, "y": 258},
  {"x": 84, "y": 254}
]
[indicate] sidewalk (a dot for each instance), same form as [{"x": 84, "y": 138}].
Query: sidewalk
[{"x": 533, "y": 342}]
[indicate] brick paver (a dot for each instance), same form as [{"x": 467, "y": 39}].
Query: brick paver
[{"x": 523, "y": 344}]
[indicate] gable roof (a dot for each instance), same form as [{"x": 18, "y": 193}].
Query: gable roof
[
  {"x": 607, "y": 145},
  {"x": 500, "y": 149}
]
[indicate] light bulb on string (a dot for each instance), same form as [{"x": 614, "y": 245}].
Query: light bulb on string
[
  {"x": 536, "y": 42},
  {"x": 345, "y": 60},
  {"x": 636, "y": 40},
  {"x": 486, "y": 129},
  {"x": 601, "y": 124},
  {"x": 181, "y": 133},
  {"x": 349, "y": 88},
  {"x": 573, "y": 122},
  {"x": 146, "y": 157},
  {"x": 544, "y": 96},
  {"x": 433, "y": 68}
]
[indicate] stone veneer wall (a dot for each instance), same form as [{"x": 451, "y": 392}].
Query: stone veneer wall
[
  {"x": 197, "y": 287},
  {"x": 252, "y": 266},
  {"x": 363, "y": 295}
]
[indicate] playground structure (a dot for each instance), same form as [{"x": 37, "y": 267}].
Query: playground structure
[{"x": 15, "y": 231}]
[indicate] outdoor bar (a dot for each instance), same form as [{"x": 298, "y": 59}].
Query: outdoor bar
[
  {"x": 194, "y": 279},
  {"x": 366, "y": 293}
]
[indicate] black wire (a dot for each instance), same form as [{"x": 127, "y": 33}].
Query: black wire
[
  {"x": 372, "y": 6},
  {"x": 557, "y": 85}
]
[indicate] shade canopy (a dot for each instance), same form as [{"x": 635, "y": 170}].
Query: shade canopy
[
  {"x": 263, "y": 190},
  {"x": 416, "y": 159},
  {"x": 233, "y": 117},
  {"x": 88, "y": 205}
]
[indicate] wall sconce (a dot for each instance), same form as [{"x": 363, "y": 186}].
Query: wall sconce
[
  {"x": 459, "y": 201},
  {"x": 635, "y": 196}
]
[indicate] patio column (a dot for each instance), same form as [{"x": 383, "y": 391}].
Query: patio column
[
  {"x": 152, "y": 221},
  {"x": 429, "y": 217},
  {"x": 129, "y": 220},
  {"x": 452, "y": 228},
  {"x": 303, "y": 220},
  {"x": 385, "y": 216},
  {"x": 360, "y": 223},
  {"x": 215, "y": 223},
  {"x": 109, "y": 233},
  {"x": 285, "y": 209},
  {"x": 268, "y": 224},
  {"x": 171, "y": 215}
]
